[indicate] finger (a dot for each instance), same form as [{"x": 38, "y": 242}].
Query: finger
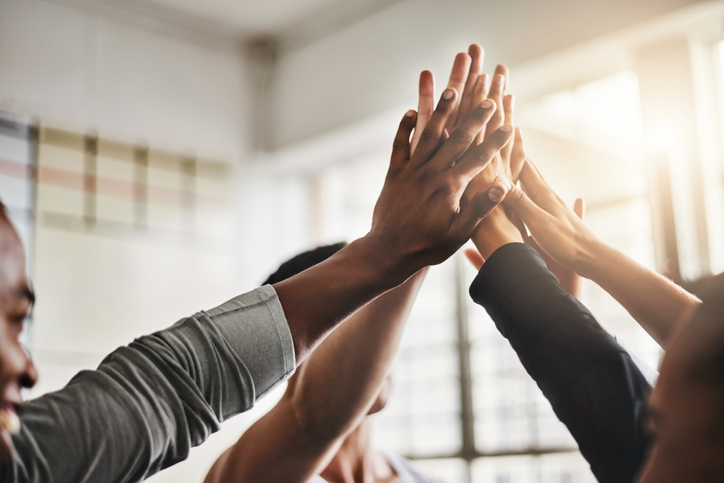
[
  {"x": 477, "y": 158},
  {"x": 467, "y": 102},
  {"x": 505, "y": 153},
  {"x": 497, "y": 89},
  {"x": 458, "y": 76},
  {"x": 401, "y": 145},
  {"x": 530, "y": 213},
  {"x": 517, "y": 155},
  {"x": 579, "y": 208},
  {"x": 459, "y": 141},
  {"x": 533, "y": 182},
  {"x": 508, "y": 106},
  {"x": 431, "y": 137},
  {"x": 425, "y": 106},
  {"x": 484, "y": 202},
  {"x": 475, "y": 258},
  {"x": 480, "y": 93}
]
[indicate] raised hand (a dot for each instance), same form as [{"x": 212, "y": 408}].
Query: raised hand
[
  {"x": 654, "y": 301},
  {"x": 426, "y": 211},
  {"x": 466, "y": 70},
  {"x": 568, "y": 278},
  {"x": 558, "y": 230}
]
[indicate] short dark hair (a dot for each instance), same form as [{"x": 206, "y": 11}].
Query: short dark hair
[{"x": 303, "y": 261}]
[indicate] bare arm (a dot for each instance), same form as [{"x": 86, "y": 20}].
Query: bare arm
[{"x": 331, "y": 393}]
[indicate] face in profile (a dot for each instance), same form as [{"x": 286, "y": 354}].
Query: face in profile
[
  {"x": 16, "y": 369},
  {"x": 686, "y": 408}
]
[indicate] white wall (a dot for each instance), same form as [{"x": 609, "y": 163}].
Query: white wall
[
  {"x": 127, "y": 77},
  {"x": 135, "y": 80}
]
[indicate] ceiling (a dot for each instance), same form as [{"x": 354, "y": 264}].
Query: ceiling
[
  {"x": 245, "y": 19},
  {"x": 248, "y": 17}
]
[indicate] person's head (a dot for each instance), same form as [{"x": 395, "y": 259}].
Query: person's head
[
  {"x": 303, "y": 261},
  {"x": 16, "y": 298},
  {"x": 686, "y": 407}
]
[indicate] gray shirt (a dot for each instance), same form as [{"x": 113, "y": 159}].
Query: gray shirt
[{"x": 150, "y": 402}]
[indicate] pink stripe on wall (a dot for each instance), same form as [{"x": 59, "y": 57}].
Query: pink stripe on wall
[{"x": 110, "y": 187}]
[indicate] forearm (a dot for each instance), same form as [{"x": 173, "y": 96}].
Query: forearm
[
  {"x": 318, "y": 299},
  {"x": 352, "y": 363},
  {"x": 655, "y": 302}
]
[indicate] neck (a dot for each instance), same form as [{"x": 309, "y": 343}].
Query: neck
[{"x": 356, "y": 461}]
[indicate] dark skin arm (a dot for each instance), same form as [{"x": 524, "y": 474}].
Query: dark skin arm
[{"x": 326, "y": 399}]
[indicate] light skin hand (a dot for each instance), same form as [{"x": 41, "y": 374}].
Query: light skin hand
[
  {"x": 557, "y": 229},
  {"x": 464, "y": 77},
  {"x": 657, "y": 304},
  {"x": 568, "y": 279},
  {"x": 496, "y": 229}
]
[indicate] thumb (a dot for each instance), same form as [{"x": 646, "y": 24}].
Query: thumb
[
  {"x": 488, "y": 198},
  {"x": 475, "y": 258}
]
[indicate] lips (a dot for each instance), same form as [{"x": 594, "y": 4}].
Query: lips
[
  {"x": 9, "y": 424},
  {"x": 9, "y": 420}
]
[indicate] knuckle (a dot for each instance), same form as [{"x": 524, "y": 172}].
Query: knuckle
[
  {"x": 520, "y": 196},
  {"x": 483, "y": 154},
  {"x": 428, "y": 136},
  {"x": 444, "y": 189},
  {"x": 460, "y": 136}
]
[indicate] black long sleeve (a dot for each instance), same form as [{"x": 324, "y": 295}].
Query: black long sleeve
[{"x": 593, "y": 385}]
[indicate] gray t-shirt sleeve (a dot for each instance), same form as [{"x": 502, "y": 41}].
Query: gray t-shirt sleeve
[{"x": 150, "y": 402}]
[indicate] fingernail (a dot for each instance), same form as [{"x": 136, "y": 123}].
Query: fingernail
[
  {"x": 410, "y": 113},
  {"x": 506, "y": 128},
  {"x": 499, "y": 79},
  {"x": 487, "y": 104},
  {"x": 448, "y": 94},
  {"x": 496, "y": 194}
]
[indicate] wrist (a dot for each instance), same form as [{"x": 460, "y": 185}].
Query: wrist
[
  {"x": 494, "y": 231},
  {"x": 592, "y": 256},
  {"x": 389, "y": 266}
]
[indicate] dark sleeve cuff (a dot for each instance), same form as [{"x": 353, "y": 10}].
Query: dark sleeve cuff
[{"x": 505, "y": 270}]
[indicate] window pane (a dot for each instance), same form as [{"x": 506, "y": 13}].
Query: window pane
[{"x": 553, "y": 468}]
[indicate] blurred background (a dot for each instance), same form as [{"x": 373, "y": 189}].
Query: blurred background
[{"x": 161, "y": 156}]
